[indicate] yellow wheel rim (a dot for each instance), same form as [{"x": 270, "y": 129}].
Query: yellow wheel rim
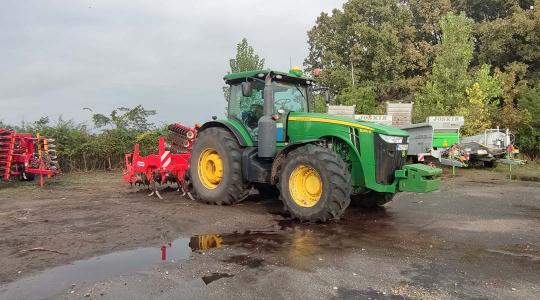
[
  {"x": 305, "y": 186},
  {"x": 210, "y": 168}
]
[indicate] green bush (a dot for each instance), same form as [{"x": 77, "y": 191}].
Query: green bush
[{"x": 81, "y": 149}]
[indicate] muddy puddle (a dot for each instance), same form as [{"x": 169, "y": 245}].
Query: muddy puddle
[
  {"x": 289, "y": 242},
  {"x": 58, "y": 280}
]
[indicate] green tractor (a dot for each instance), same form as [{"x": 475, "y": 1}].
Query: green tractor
[{"x": 317, "y": 163}]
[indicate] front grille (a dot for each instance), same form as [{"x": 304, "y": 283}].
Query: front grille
[{"x": 387, "y": 160}]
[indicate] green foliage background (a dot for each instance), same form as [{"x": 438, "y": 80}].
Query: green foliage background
[
  {"x": 81, "y": 149},
  {"x": 477, "y": 58}
]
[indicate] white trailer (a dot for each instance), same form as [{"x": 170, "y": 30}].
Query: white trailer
[
  {"x": 489, "y": 146},
  {"x": 495, "y": 139}
]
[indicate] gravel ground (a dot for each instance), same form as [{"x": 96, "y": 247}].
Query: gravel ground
[{"x": 91, "y": 236}]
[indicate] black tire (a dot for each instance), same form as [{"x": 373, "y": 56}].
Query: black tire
[
  {"x": 23, "y": 175},
  {"x": 335, "y": 178},
  {"x": 231, "y": 189},
  {"x": 30, "y": 177},
  {"x": 371, "y": 199},
  {"x": 490, "y": 164},
  {"x": 266, "y": 189}
]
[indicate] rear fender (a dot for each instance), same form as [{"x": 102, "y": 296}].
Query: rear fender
[{"x": 241, "y": 134}]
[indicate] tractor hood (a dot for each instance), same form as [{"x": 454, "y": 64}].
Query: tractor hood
[{"x": 350, "y": 122}]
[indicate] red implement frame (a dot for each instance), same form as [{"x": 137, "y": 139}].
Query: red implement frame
[
  {"x": 163, "y": 167},
  {"x": 23, "y": 155}
]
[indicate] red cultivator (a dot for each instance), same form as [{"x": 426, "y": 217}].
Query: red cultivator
[
  {"x": 170, "y": 165},
  {"x": 25, "y": 156}
]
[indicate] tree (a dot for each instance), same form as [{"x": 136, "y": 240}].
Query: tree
[
  {"x": 124, "y": 118},
  {"x": 246, "y": 59},
  {"x": 485, "y": 10},
  {"x": 514, "y": 38},
  {"x": 368, "y": 42},
  {"x": 528, "y": 137},
  {"x": 529, "y": 100},
  {"x": 445, "y": 89},
  {"x": 513, "y": 83},
  {"x": 446, "y": 55},
  {"x": 362, "y": 97},
  {"x": 319, "y": 102},
  {"x": 475, "y": 111},
  {"x": 426, "y": 16}
]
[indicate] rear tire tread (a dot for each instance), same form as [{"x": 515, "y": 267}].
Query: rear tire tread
[{"x": 237, "y": 189}]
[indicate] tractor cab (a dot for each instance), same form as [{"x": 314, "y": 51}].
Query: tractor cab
[{"x": 291, "y": 93}]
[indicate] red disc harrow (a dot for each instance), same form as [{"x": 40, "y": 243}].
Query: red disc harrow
[
  {"x": 24, "y": 156},
  {"x": 169, "y": 165}
]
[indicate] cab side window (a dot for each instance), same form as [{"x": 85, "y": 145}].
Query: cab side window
[{"x": 247, "y": 110}]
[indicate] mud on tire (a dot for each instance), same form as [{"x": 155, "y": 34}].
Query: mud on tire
[
  {"x": 231, "y": 189},
  {"x": 336, "y": 183}
]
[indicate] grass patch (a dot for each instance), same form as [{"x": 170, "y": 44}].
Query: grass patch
[
  {"x": 74, "y": 179},
  {"x": 530, "y": 169}
]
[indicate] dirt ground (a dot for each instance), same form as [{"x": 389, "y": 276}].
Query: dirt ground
[{"x": 478, "y": 237}]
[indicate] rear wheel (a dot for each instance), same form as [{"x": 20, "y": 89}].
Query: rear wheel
[
  {"x": 371, "y": 199},
  {"x": 216, "y": 170},
  {"x": 315, "y": 184}
]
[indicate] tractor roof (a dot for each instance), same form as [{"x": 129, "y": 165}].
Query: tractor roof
[{"x": 234, "y": 77}]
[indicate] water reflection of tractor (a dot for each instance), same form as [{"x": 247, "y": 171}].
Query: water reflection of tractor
[
  {"x": 318, "y": 162},
  {"x": 205, "y": 242}
]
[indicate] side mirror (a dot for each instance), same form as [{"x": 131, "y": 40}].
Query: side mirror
[{"x": 247, "y": 89}]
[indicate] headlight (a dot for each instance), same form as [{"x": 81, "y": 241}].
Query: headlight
[{"x": 391, "y": 139}]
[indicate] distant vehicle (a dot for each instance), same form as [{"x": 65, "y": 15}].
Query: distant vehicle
[
  {"x": 489, "y": 146},
  {"x": 433, "y": 138}
]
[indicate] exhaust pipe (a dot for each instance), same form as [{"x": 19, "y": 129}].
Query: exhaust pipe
[{"x": 267, "y": 126}]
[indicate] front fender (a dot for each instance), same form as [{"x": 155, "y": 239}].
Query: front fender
[{"x": 276, "y": 165}]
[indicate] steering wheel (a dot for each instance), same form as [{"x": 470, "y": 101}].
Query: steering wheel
[{"x": 281, "y": 102}]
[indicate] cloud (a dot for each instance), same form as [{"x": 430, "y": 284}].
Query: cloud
[{"x": 60, "y": 56}]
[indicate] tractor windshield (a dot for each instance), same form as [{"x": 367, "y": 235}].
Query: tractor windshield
[
  {"x": 248, "y": 110},
  {"x": 290, "y": 97}
]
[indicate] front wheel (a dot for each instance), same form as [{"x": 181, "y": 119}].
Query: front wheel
[{"x": 315, "y": 184}]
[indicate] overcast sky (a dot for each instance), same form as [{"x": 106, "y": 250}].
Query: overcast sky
[{"x": 57, "y": 57}]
